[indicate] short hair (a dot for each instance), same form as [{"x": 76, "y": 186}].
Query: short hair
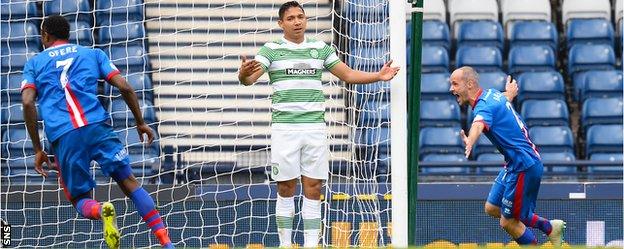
[
  {"x": 56, "y": 26},
  {"x": 288, "y": 5},
  {"x": 469, "y": 74}
]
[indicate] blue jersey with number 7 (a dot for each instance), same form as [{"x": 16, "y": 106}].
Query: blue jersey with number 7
[
  {"x": 506, "y": 130},
  {"x": 65, "y": 77}
]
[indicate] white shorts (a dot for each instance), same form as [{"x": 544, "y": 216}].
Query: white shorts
[{"x": 299, "y": 152}]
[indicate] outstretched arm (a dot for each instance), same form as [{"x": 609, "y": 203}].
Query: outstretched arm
[
  {"x": 30, "y": 116},
  {"x": 351, "y": 76},
  {"x": 131, "y": 100},
  {"x": 511, "y": 89},
  {"x": 249, "y": 71},
  {"x": 475, "y": 131}
]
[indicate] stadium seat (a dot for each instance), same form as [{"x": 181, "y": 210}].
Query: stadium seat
[
  {"x": 483, "y": 146},
  {"x": 122, "y": 116},
  {"x": 603, "y": 139},
  {"x": 368, "y": 31},
  {"x": 589, "y": 31},
  {"x": 78, "y": 10},
  {"x": 118, "y": 11},
  {"x": 129, "y": 59},
  {"x": 378, "y": 91},
  {"x": 540, "y": 85},
  {"x": 435, "y": 33},
  {"x": 441, "y": 140},
  {"x": 18, "y": 142},
  {"x": 11, "y": 84},
  {"x": 601, "y": 111},
  {"x": 524, "y": 58},
  {"x": 585, "y": 9},
  {"x": 363, "y": 54},
  {"x": 495, "y": 80},
  {"x": 610, "y": 157},
  {"x": 583, "y": 57},
  {"x": 472, "y": 10},
  {"x": 435, "y": 86},
  {"x": 491, "y": 157},
  {"x": 601, "y": 84},
  {"x": 14, "y": 58},
  {"x": 536, "y": 10},
  {"x": 20, "y": 34},
  {"x": 559, "y": 157},
  {"x": 18, "y": 9},
  {"x": 374, "y": 112},
  {"x": 533, "y": 33},
  {"x": 458, "y": 158},
  {"x": 480, "y": 33},
  {"x": 481, "y": 58},
  {"x": 140, "y": 82},
  {"x": 545, "y": 112},
  {"x": 14, "y": 113},
  {"x": 81, "y": 33},
  {"x": 434, "y": 10},
  {"x": 552, "y": 138},
  {"x": 122, "y": 34},
  {"x": 434, "y": 59},
  {"x": 130, "y": 137},
  {"x": 439, "y": 113}
]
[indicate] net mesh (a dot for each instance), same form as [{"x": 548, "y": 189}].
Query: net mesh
[{"x": 208, "y": 168}]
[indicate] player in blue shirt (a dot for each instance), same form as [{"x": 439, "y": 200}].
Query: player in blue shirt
[
  {"x": 63, "y": 80},
  {"x": 515, "y": 189}
]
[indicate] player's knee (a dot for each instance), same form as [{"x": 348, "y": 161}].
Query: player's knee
[
  {"x": 492, "y": 210},
  {"x": 286, "y": 188}
]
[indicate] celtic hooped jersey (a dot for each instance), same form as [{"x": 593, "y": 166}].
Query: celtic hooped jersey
[{"x": 295, "y": 74}]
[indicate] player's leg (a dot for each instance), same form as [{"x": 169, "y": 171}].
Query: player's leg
[
  {"x": 516, "y": 207},
  {"x": 495, "y": 197},
  {"x": 518, "y": 231},
  {"x": 110, "y": 153},
  {"x": 314, "y": 169},
  {"x": 285, "y": 161}
]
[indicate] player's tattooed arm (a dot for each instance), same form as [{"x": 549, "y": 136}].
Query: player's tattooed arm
[
  {"x": 29, "y": 96},
  {"x": 511, "y": 89},
  {"x": 473, "y": 135}
]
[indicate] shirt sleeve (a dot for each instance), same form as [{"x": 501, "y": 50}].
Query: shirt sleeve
[
  {"x": 28, "y": 80},
  {"x": 330, "y": 57},
  {"x": 265, "y": 57},
  {"x": 106, "y": 67},
  {"x": 482, "y": 113}
]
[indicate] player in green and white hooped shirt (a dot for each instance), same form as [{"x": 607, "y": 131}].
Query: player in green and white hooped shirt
[{"x": 298, "y": 133}]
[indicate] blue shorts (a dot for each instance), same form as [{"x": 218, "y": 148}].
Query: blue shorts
[
  {"x": 75, "y": 150},
  {"x": 516, "y": 192}
]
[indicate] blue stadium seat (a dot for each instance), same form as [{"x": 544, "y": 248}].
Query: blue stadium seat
[
  {"x": 18, "y": 9},
  {"x": 583, "y": 57},
  {"x": 368, "y": 56},
  {"x": 374, "y": 112},
  {"x": 118, "y": 11},
  {"x": 601, "y": 84},
  {"x": 545, "y": 112},
  {"x": 480, "y": 33},
  {"x": 14, "y": 57},
  {"x": 495, "y": 80},
  {"x": 540, "y": 85},
  {"x": 130, "y": 137},
  {"x": 435, "y": 86},
  {"x": 611, "y": 157},
  {"x": 531, "y": 58},
  {"x": 603, "y": 139},
  {"x": 435, "y": 59},
  {"x": 14, "y": 113},
  {"x": 140, "y": 82},
  {"x": 435, "y": 33},
  {"x": 17, "y": 142},
  {"x": 589, "y": 31},
  {"x": 369, "y": 31},
  {"x": 561, "y": 157},
  {"x": 129, "y": 59},
  {"x": 11, "y": 84},
  {"x": 552, "y": 138},
  {"x": 490, "y": 157},
  {"x": 379, "y": 91},
  {"x": 439, "y": 113},
  {"x": 483, "y": 146},
  {"x": 365, "y": 8},
  {"x": 444, "y": 140},
  {"x": 601, "y": 111},
  {"x": 481, "y": 58},
  {"x": 122, "y": 33},
  {"x": 20, "y": 34},
  {"x": 81, "y": 33},
  {"x": 458, "y": 158},
  {"x": 122, "y": 116},
  {"x": 70, "y": 9},
  {"x": 534, "y": 33}
]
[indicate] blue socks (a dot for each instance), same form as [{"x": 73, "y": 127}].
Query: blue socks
[
  {"x": 145, "y": 205},
  {"x": 527, "y": 238}
]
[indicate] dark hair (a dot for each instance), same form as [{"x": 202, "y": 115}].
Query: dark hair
[
  {"x": 56, "y": 26},
  {"x": 288, "y": 5}
]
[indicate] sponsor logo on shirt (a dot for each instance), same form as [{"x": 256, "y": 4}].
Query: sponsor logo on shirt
[{"x": 301, "y": 69}]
